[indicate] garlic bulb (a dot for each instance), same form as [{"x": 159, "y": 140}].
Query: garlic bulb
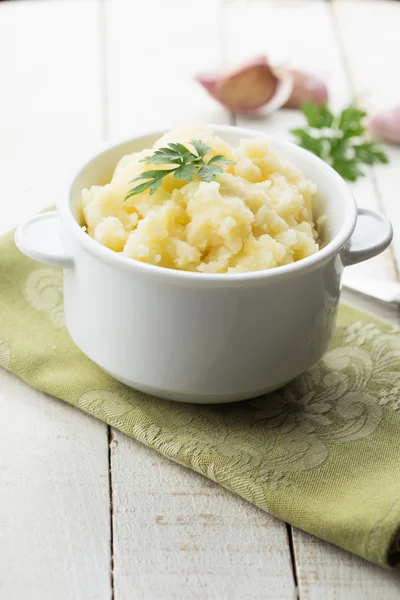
[
  {"x": 386, "y": 125},
  {"x": 258, "y": 88},
  {"x": 306, "y": 87},
  {"x": 255, "y": 88}
]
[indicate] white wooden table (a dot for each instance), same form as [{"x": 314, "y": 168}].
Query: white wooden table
[{"x": 87, "y": 513}]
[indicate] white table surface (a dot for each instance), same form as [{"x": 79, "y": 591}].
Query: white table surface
[{"x": 86, "y": 512}]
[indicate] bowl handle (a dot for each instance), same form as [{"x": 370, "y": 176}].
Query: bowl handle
[
  {"x": 39, "y": 239},
  {"x": 372, "y": 235}
]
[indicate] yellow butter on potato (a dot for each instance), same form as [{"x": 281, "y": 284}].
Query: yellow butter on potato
[{"x": 255, "y": 215}]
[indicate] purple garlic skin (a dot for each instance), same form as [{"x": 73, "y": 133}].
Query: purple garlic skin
[
  {"x": 245, "y": 89},
  {"x": 258, "y": 88},
  {"x": 386, "y": 125},
  {"x": 306, "y": 88}
]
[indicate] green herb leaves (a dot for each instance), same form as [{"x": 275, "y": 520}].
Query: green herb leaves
[
  {"x": 317, "y": 116},
  {"x": 339, "y": 140},
  {"x": 154, "y": 181},
  {"x": 188, "y": 164}
]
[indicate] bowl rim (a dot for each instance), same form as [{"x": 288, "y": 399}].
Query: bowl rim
[{"x": 180, "y": 276}]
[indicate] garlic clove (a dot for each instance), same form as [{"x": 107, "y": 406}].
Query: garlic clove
[
  {"x": 306, "y": 87},
  {"x": 386, "y": 125},
  {"x": 254, "y": 88}
]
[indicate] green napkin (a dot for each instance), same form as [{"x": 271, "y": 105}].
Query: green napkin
[{"x": 322, "y": 454}]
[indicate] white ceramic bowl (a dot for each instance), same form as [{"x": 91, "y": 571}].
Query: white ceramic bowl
[{"x": 194, "y": 337}]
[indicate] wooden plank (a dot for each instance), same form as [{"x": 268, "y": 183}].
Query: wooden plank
[
  {"x": 50, "y": 100},
  {"x": 371, "y": 67},
  {"x": 300, "y": 33},
  {"x": 55, "y": 519},
  {"x": 329, "y": 573},
  {"x": 178, "y": 535},
  {"x": 371, "y": 43},
  {"x": 175, "y": 534},
  {"x": 325, "y": 571},
  {"x": 154, "y": 50}
]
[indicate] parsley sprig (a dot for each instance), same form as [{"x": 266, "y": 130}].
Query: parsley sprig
[
  {"x": 340, "y": 141},
  {"x": 188, "y": 164}
]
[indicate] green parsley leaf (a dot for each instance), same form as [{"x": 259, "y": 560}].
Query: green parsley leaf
[
  {"x": 201, "y": 148},
  {"x": 185, "y": 165},
  {"x": 138, "y": 189},
  {"x": 340, "y": 141},
  {"x": 179, "y": 148},
  {"x": 209, "y": 172},
  {"x": 339, "y": 147},
  {"x": 307, "y": 141},
  {"x": 221, "y": 159},
  {"x": 348, "y": 169},
  {"x": 164, "y": 156},
  {"x": 185, "y": 172},
  {"x": 317, "y": 116},
  {"x": 155, "y": 174},
  {"x": 351, "y": 122},
  {"x": 154, "y": 178},
  {"x": 370, "y": 153}
]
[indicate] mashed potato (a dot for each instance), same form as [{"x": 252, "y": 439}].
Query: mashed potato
[{"x": 255, "y": 215}]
